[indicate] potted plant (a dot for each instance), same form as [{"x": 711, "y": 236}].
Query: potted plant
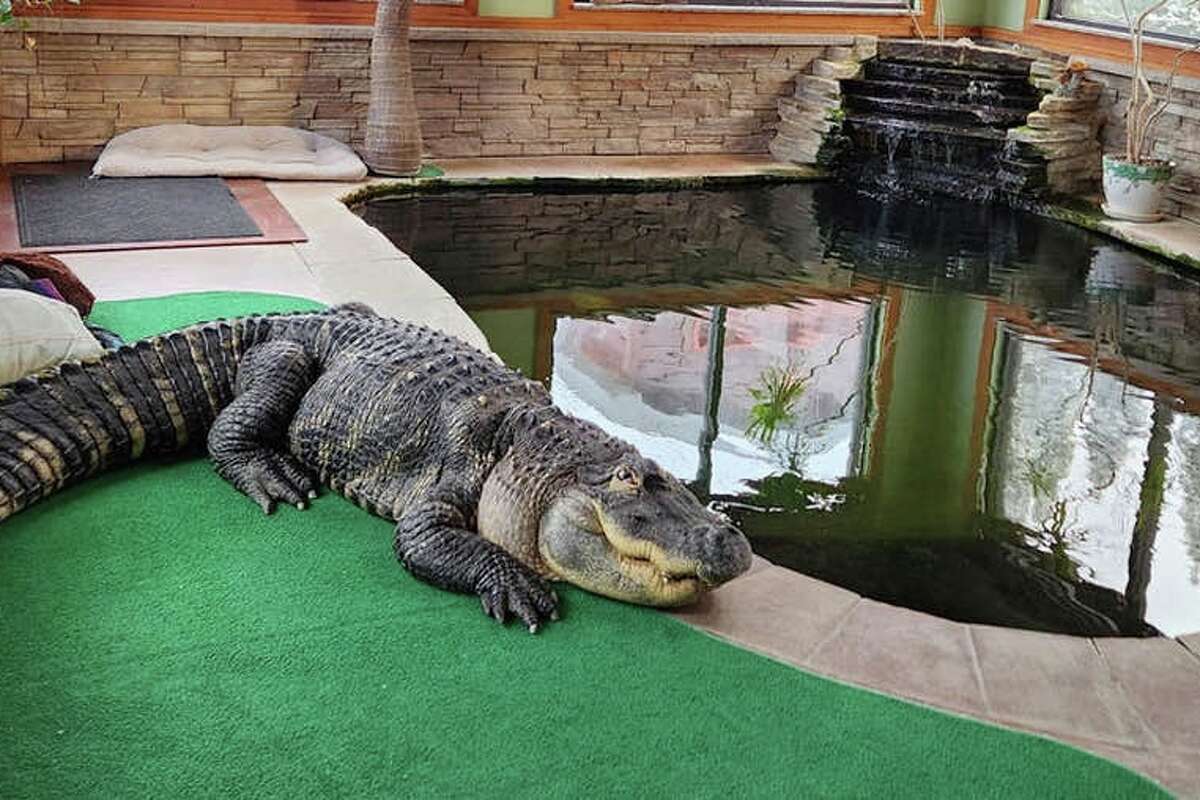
[{"x": 1134, "y": 182}]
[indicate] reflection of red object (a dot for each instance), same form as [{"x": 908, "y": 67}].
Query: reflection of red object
[{"x": 664, "y": 359}]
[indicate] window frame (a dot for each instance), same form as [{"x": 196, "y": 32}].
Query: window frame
[
  {"x": 1055, "y": 14},
  {"x": 849, "y": 7}
]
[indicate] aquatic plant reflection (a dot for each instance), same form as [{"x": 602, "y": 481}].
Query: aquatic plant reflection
[{"x": 776, "y": 398}]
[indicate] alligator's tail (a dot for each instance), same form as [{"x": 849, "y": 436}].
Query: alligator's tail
[{"x": 156, "y": 396}]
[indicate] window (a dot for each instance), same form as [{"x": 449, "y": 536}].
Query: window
[
  {"x": 1179, "y": 19},
  {"x": 848, "y": 6},
  {"x": 837, "y": 5}
]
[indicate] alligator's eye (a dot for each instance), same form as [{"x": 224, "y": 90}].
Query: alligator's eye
[{"x": 626, "y": 477}]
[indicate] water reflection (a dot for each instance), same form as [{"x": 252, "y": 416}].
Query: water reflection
[
  {"x": 643, "y": 374},
  {"x": 965, "y": 409}
]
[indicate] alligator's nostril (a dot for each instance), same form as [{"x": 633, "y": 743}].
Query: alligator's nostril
[
  {"x": 721, "y": 534},
  {"x": 726, "y": 554}
]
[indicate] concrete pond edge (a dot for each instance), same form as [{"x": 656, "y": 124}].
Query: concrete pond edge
[{"x": 384, "y": 188}]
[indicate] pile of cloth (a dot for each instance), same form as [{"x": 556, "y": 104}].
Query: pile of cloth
[{"x": 42, "y": 309}]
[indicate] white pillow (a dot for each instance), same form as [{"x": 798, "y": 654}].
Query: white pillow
[
  {"x": 229, "y": 151},
  {"x": 37, "y": 332}
]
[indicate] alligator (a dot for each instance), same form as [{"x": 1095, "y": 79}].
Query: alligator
[{"x": 493, "y": 490}]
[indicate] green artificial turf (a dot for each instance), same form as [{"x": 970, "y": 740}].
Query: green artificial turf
[{"x": 162, "y": 638}]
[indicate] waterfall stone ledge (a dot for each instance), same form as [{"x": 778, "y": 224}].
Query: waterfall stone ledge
[{"x": 947, "y": 117}]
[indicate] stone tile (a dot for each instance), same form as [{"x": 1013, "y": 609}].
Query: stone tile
[
  {"x": 1056, "y": 684},
  {"x": 774, "y": 611},
  {"x": 671, "y": 166},
  {"x": 306, "y": 203},
  {"x": 1175, "y": 237},
  {"x": 904, "y": 653},
  {"x": 125, "y": 274},
  {"x": 757, "y": 565},
  {"x": 1162, "y": 681},
  {"x": 300, "y": 195},
  {"x": 328, "y": 241},
  {"x": 376, "y": 279},
  {"x": 293, "y": 191}
]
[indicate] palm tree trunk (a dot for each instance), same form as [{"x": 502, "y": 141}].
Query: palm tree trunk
[{"x": 393, "y": 145}]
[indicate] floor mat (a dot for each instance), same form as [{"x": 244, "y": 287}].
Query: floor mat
[
  {"x": 71, "y": 209},
  {"x": 164, "y": 638}
]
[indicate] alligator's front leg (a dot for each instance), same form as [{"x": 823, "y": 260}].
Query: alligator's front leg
[
  {"x": 434, "y": 544},
  {"x": 247, "y": 439}
]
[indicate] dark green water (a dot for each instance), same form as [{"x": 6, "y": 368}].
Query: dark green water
[{"x": 962, "y": 409}]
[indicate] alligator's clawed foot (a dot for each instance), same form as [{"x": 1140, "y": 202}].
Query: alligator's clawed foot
[
  {"x": 511, "y": 589},
  {"x": 267, "y": 477}
]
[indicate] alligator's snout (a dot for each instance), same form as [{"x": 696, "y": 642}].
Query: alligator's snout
[
  {"x": 725, "y": 553},
  {"x": 640, "y": 536}
]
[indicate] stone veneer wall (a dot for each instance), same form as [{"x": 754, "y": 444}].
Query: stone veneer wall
[{"x": 477, "y": 97}]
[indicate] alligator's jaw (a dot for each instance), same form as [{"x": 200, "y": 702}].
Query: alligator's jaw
[
  {"x": 667, "y": 591},
  {"x": 633, "y": 580},
  {"x": 582, "y": 545},
  {"x": 673, "y": 581}
]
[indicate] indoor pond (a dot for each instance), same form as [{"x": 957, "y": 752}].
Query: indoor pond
[{"x": 963, "y": 409}]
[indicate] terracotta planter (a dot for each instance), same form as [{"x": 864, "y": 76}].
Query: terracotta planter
[{"x": 1134, "y": 191}]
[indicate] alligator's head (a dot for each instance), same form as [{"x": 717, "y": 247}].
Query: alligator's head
[
  {"x": 637, "y": 534},
  {"x": 612, "y": 522}
]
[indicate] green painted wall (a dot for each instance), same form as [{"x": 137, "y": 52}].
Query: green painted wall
[
  {"x": 516, "y": 8},
  {"x": 1005, "y": 14},
  {"x": 992, "y": 13},
  {"x": 964, "y": 12}
]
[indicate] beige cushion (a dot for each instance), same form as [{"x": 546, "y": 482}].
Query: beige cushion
[
  {"x": 247, "y": 151},
  {"x": 37, "y": 332}
]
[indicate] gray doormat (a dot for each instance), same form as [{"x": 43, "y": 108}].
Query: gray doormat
[{"x": 75, "y": 210}]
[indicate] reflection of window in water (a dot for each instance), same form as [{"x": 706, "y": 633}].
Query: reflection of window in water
[
  {"x": 1063, "y": 435},
  {"x": 646, "y": 379},
  {"x": 1073, "y": 453},
  {"x": 1182, "y": 504}
]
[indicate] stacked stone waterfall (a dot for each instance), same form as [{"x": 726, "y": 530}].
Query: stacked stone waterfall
[
  {"x": 952, "y": 118},
  {"x": 1064, "y": 131},
  {"x": 807, "y": 118}
]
